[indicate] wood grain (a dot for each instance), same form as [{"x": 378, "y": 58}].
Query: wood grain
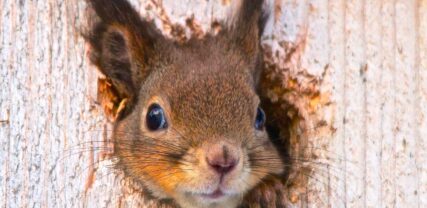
[{"x": 370, "y": 55}]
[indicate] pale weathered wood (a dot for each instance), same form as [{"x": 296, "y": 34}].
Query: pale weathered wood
[
  {"x": 336, "y": 27},
  {"x": 421, "y": 63},
  {"x": 388, "y": 46},
  {"x": 372, "y": 22},
  {"x": 371, "y": 58},
  {"x": 406, "y": 109}
]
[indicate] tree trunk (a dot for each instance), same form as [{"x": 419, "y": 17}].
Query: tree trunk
[{"x": 356, "y": 73}]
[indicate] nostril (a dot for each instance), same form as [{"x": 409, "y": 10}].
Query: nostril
[{"x": 222, "y": 167}]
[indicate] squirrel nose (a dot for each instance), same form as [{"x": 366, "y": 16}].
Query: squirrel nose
[
  {"x": 221, "y": 159},
  {"x": 222, "y": 167}
]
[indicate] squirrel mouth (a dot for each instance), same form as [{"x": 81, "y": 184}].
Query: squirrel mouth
[{"x": 214, "y": 195}]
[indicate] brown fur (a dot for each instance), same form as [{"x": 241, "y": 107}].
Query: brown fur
[{"x": 208, "y": 89}]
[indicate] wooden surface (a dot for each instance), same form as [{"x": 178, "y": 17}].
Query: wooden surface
[{"x": 370, "y": 55}]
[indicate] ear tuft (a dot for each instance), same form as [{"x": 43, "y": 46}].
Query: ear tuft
[
  {"x": 247, "y": 23},
  {"x": 121, "y": 44}
]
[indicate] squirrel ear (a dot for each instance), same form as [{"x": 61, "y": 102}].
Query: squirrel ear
[
  {"x": 121, "y": 44},
  {"x": 247, "y": 25}
]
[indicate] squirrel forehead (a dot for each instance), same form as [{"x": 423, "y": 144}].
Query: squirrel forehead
[
  {"x": 216, "y": 101},
  {"x": 213, "y": 98},
  {"x": 206, "y": 84}
]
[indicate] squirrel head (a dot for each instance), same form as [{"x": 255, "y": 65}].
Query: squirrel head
[{"x": 187, "y": 118}]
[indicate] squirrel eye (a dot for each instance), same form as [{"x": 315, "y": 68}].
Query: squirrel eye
[
  {"x": 260, "y": 119},
  {"x": 155, "y": 119}
]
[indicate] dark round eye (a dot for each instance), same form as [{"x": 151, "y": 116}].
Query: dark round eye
[
  {"x": 260, "y": 119},
  {"x": 156, "y": 118}
]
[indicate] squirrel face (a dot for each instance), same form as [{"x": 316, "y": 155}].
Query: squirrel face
[{"x": 188, "y": 122}]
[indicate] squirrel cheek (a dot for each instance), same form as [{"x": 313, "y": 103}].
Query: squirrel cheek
[
  {"x": 193, "y": 168},
  {"x": 169, "y": 183},
  {"x": 263, "y": 148}
]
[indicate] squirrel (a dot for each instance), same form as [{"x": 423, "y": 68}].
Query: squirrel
[{"x": 188, "y": 121}]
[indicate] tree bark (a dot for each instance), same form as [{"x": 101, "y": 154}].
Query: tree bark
[{"x": 356, "y": 73}]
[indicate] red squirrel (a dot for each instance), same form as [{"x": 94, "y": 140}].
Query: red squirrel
[{"x": 189, "y": 126}]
